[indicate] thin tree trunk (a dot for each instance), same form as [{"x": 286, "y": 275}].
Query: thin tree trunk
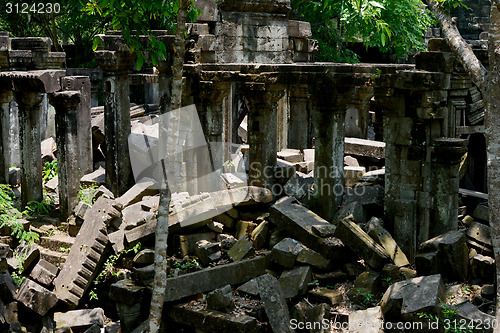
[
  {"x": 461, "y": 49},
  {"x": 160, "y": 279},
  {"x": 493, "y": 140}
]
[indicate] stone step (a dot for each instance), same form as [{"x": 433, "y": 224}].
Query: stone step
[
  {"x": 54, "y": 257},
  {"x": 56, "y": 242}
]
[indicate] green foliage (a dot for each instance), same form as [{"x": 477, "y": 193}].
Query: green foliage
[
  {"x": 65, "y": 249},
  {"x": 395, "y": 26},
  {"x": 189, "y": 264},
  {"x": 448, "y": 320},
  {"x": 139, "y": 17},
  {"x": 17, "y": 278},
  {"x": 87, "y": 194},
  {"x": 36, "y": 208},
  {"x": 49, "y": 171},
  {"x": 109, "y": 269},
  {"x": 366, "y": 299}
]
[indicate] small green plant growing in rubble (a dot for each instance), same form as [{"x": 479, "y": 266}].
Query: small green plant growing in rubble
[
  {"x": 449, "y": 321},
  {"x": 190, "y": 264},
  {"x": 64, "y": 249},
  {"x": 87, "y": 194},
  {"x": 49, "y": 171},
  {"x": 110, "y": 269},
  {"x": 37, "y": 208},
  {"x": 366, "y": 299}
]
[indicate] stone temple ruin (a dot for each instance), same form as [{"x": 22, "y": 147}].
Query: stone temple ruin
[{"x": 343, "y": 184}]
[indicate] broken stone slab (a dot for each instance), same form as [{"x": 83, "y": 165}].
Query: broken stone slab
[
  {"x": 36, "y": 297},
  {"x": 81, "y": 209},
  {"x": 362, "y": 244},
  {"x": 249, "y": 288},
  {"x": 102, "y": 191},
  {"x": 216, "y": 227},
  {"x": 145, "y": 187},
  {"x": 242, "y": 249},
  {"x": 244, "y": 228},
  {"x": 406, "y": 299},
  {"x": 86, "y": 254},
  {"x": 285, "y": 252},
  {"x": 361, "y": 147},
  {"x": 481, "y": 213},
  {"x": 79, "y": 320},
  {"x": 366, "y": 321},
  {"x": 298, "y": 185},
  {"x": 295, "y": 282},
  {"x": 325, "y": 295},
  {"x": 128, "y": 297},
  {"x": 384, "y": 238},
  {"x": 96, "y": 178},
  {"x": 312, "y": 258},
  {"x": 188, "y": 242},
  {"x": 479, "y": 236},
  {"x": 298, "y": 221},
  {"x": 117, "y": 240},
  {"x": 324, "y": 230},
  {"x": 43, "y": 81},
  {"x": 274, "y": 301},
  {"x": 352, "y": 174},
  {"x": 144, "y": 257},
  {"x": 221, "y": 300},
  {"x": 473, "y": 317},
  {"x": 141, "y": 234},
  {"x": 483, "y": 268},
  {"x": 366, "y": 195},
  {"x": 447, "y": 254},
  {"x": 211, "y": 321},
  {"x": 134, "y": 218},
  {"x": 44, "y": 272},
  {"x": 30, "y": 254},
  {"x": 291, "y": 155},
  {"x": 214, "y": 277},
  {"x": 354, "y": 209}
]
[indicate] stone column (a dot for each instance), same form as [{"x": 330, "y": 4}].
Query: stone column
[
  {"x": 357, "y": 117},
  {"x": 262, "y": 131},
  {"x": 5, "y": 99},
  {"x": 446, "y": 159},
  {"x": 211, "y": 110},
  {"x": 30, "y": 107},
  {"x": 299, "y": 125},
  {"x": 68, "y": 152},
  {"x": 330, "y": 105},
  {"x": 116, "y": 65},
  {"x": 84, "y": 121}
]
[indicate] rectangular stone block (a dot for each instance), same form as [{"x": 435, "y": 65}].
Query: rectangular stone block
[
  {"x": 36, "y": 297},
  {"x": 299, "y": 29}
]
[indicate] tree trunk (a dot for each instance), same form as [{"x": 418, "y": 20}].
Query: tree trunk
[
  {"x": 461, "y": 49},
  {"x": 493, "y": 139},
  {"x": 160, "y": 279}
]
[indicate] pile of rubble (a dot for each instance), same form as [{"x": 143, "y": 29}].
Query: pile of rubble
[{"x": 263, "y": 264}]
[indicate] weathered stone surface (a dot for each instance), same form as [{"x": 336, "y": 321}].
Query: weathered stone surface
[
  {"x": 244, "y": 228},
  {"x": 249, "y": 288},
  {"x": 216, "y": 277},
  {"x": 384, "y": 238},
  {"x": 44, "y": 272},
  {"x": 144, "y": 187},
  {"x": 309, "y": 317},
  {"x": 274, "y": 301},
  {"x": 48, "y": 147},
  {"x": 86, "y": 254},
  {"x": 354, "y": 209},
  {"x": 446, "y": 254},
  {"x": 134, "y": 218},
  {"x": 362, "y": 244},
  {"x": 313, "y": 258},
  {"x": 221, "y": 300},
  {"x": 208, "y": 10},
  {"x": 36, "y": 297},
  {"x": 285, "y": 252},
  {"x": 298, "y": 221},
  {"x": 97, "y": 177},
  {"x": 80, "y": 320},
  {"x": 211, "y": 321},
  {"x": 295, "y": 281},
  {"x": 324, "y": 295},
  {"x": 406, "y": 299},
  {"x": 366, "y": 195},
  {"x": 369, "y": 281},
  {"x": 81, "y": 209},
  {"x": 117, "y": 240},
  {"x": 323, "y": 230},
  {"x": 216, "y": 226},
  {"x": 141, "y": 233},
  {"x": 481, "y": 213},
  {"x": 366, "y": 321},
  {"x": 188, "y": 243},
  {"x": 242, "y": 249}
]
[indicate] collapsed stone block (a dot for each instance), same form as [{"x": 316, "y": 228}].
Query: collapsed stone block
[
  {"x": 446, "y": 254},
  {"x": 298, "y": 185},
  {"x": 242, "y": 249},
  {"x": 86, "y": 254},
  {"x": 483, "y": 268},
  {"x": 285, "y": 252},
  {"x": 479, "y": 236},
  {"x": 7, "y": 286},
  {"x": 354, "y": 209},
  {"x": 36, "y": 297},
  {"x": 406, "y": 299},
  {"x": 259, "y": 235},
  {"x": 362, "y": 244},
  {"x": 128, "y": 297},
  {"x": 207, "y": 251},
  {"x": 310, "y": 317},
  {"x": 384, "y": 238},
  {"x": 295, "y": 282},
  {"x": 44, "y": 272},
  {"x": 221, "y": 300},
  {"x": 144, "y": 257},
  {"x": 274, "y": 301},
  {"x": 244, "y": 228},
  {"x": 325, "y": 295},
  {"x": 80, "y": 320},
  {"x": 144, "y": 187},
  {"x": 472, "y": 316},
  {"x": 312, "y": 258}
]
